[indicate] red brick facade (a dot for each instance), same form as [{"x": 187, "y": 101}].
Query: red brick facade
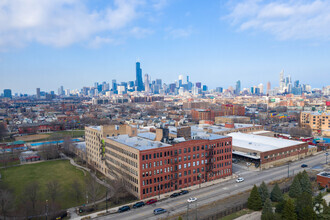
[
  {"x": 184, "y": 164},
  {"x": 323, "y": 179}
]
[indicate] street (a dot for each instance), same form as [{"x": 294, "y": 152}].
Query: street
[{"x": 219, "y": 191}]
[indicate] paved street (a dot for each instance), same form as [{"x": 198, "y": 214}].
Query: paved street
[{"x": 219, "y": 191}]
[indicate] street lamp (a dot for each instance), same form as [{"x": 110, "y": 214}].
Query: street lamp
[
  {"x": 46, "y": 209},
  {"x": 288, "y": 169},
  {"x": 326, "y": 157}
]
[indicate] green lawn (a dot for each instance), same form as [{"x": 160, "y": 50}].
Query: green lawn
[
  {"x": 74, "y": 133},
  {"x": 61, "y": 170}
]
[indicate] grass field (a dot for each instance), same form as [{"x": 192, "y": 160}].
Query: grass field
[
  {"x": 51, "y": 136},
  {"x": 61, "y": 170}
]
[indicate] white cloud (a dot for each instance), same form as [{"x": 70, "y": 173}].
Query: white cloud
[
  {"x": 179, "y": 32},
  {"x": 295, "y": 19},
  {"x": 63, "y": 22},
  {"x": 159, "y": 4},
  {"x": 139, "y": 32}
]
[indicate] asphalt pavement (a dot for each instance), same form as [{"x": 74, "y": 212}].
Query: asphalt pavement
[{"x": 219, "y": 191}]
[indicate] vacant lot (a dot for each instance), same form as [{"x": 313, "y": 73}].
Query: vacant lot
[
  {"x": 59, "y": 135},
  {"x": 16, "y": 178},
  {"x": 32, "y": 137}
]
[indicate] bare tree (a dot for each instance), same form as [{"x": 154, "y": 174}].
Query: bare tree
[
  {"x": 53, "y": 188},
  {"x": 119, "y": 191},
  {"x": 93, "y": 189},
  {"x": 300, "y": 132},
  {"x": 6, "y": 202},
  {"x": 67, "y": 146},
  {"x": 31, "y": 191},
  {"x": 3, "y": 131},
  {"x": 77, "y": 191}
]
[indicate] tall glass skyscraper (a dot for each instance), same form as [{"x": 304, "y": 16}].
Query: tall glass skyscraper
[
  {"x": 238, "y": 87},
  {"x": 139, "y": 82}
]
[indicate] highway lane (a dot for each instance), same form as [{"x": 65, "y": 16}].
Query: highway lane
[{"x": 218, "y": 191}]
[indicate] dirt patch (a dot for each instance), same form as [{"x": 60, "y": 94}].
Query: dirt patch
[{"x": 32, "y": 137}]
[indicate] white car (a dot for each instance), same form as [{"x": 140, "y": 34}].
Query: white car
[
  {"x": 241, "y": 179},
  {"x": 193, "y": 199}
]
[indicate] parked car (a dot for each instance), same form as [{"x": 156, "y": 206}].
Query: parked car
[
  {"x": 138, "y": 205},
  {"x": 304, "y": 165},
  {"x": 241, "y": 179},
  {"x": 183, "y": 192},
  {"x": 151, "y": 201},
  {"x": 159, "y": 211},
  {"x": 124, "y": 208},
  {"x": 193, "y": 199},
  {"x": 174, "y": 195}
]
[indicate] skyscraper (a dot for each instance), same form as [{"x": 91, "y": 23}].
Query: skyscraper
[
  {"x": 38, "y": 93},
  {"x": 238, "y": 87},
  {"x": 268, "y": 88},
  {"x": 7, "y": 93},
  {"x": 139, "y": 82},
  {"x": 146, "y": 83},
  {"x": 282, "y": 82}
]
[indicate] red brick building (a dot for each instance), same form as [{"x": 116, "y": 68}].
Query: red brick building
[
  {"x": 184, "y": 164},
  {"x": 150, "y": 168},
  {"x": 323, "y": 179},
  {"x": 205, "y": 114},
  {"x": 39, "y": 128},
  {"x": 209, "y": 114}
]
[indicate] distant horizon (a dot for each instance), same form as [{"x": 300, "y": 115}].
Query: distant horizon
[{"x": 76, "y": 43}]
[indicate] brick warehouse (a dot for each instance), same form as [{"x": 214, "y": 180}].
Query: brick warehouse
[{"x": 150, "y": 167}]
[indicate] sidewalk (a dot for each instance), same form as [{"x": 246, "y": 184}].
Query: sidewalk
[{"x": 162, "y": 197}]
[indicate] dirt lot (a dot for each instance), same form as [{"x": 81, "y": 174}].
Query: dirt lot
[{"x": 32, "y": 137}]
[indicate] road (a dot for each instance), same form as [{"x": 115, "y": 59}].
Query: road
[{"x": 218, "y": 191}]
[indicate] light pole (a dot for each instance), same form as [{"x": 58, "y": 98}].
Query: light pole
[
  {"x": 326, "y": 157},
  {"x": 288, "y": 169},
  {"x": 106, "y": 201},
  {"x": 158, "y": 190},
  {"x": 46, "y": 209}
]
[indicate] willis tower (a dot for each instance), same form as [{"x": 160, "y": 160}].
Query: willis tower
[{"x": 139, "y": 82}]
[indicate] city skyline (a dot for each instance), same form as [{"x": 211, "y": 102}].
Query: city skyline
[{"x": 218, "y": 40}]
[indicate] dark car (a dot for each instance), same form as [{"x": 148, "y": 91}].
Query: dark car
[
  {"x": 304, "y": 165},
  {"x": 151, "y": 201},
  {"x": 183, "y": 192},
  {"x": 138, "y": 205},
  {"x": 159, "y": 211},
  {"x": 124, "y": 208},
  {"x": 174, "y": 195}
]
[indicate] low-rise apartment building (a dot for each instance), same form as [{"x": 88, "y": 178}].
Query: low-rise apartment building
[{"x": 319, "y": 122}]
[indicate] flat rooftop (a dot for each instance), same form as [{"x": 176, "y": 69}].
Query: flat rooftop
[
  {"x": 95, "y": 127},
  {"x": 198, "y": 133},
  {"x": 148, "y": 135},
  {"x": 325, "y": 174},
  {"x": 260, "y": 143},
  {"x": 138, "y": 142}
]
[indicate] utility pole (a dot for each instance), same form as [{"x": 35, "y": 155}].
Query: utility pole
[
  {"x": 187, "y": 210},
  {"x": 106, "y": 201}
]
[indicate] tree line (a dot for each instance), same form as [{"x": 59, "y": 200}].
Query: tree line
[{"x": 299, "y": 204}]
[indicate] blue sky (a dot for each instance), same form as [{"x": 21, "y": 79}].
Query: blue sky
[{"x": 75, "y": 43}]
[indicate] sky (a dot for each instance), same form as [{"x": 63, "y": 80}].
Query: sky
[{"x": 48, "y": 43}]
